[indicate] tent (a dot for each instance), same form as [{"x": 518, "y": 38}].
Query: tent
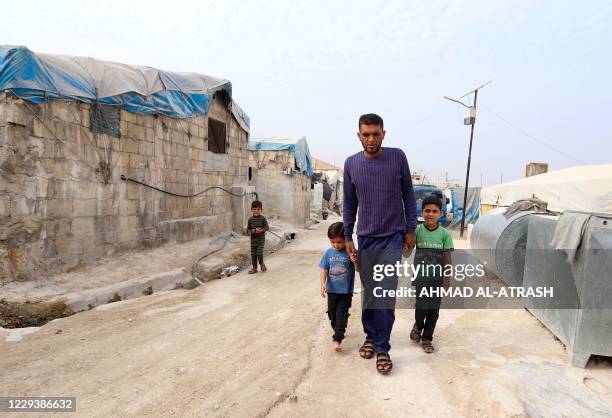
[
  {"x": 585, "y": 188},
  {"x": 40, "y": 77},
  {"x": 297, "y": 145}
]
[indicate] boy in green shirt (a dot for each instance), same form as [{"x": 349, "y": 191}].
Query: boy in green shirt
[{"x": 433, "y": 247}]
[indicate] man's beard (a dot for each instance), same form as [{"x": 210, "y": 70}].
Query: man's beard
[{"x": 365, "y": 148}]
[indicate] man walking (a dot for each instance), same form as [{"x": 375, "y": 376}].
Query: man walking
[{"x": 378, "y": 187}]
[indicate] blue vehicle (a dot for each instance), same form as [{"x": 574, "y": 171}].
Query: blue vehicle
[{"x": 422, "y": 190}]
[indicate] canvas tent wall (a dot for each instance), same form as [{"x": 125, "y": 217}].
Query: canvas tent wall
[{"x": 585, "y": 188}]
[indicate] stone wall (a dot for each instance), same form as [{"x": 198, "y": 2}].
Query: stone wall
[
  {"x": 285, "y": 195},
  {"x": 62, "y": 202}
]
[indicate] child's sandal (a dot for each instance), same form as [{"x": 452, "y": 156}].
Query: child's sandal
[
  {"x": 428, "y": 347},
  {"x": 415, "y": 334},
  {"x": 383, "y": 363},
  {"x": 366, "y": 351}
]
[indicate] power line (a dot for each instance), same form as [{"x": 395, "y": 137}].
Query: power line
[{"x": 530, "y": 136}]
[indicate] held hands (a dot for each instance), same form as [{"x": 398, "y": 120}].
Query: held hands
[
  {"x": 350, "y": 249},
  {"x": 323, "y": 291},
  {"x": 259, "y": 230},
  {"x": 409, "y": 243}
]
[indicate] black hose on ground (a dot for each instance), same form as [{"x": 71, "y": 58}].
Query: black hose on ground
[{"x": 194, "y": 273}]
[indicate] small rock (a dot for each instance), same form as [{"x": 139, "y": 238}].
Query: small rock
[
  {"x": 293, "y": 398},
  {"x": 59, "y": 331},
  {"x": 450, "y": 381},
  {"x": 278, "y": 394},
  {"x": 386, "y": 398},
  {"x": 283, "y": 355}
]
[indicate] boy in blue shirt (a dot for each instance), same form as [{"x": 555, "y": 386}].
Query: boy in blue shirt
[
  {"x": 433, "y": 252},
  {"x": 337, "y": 281}
]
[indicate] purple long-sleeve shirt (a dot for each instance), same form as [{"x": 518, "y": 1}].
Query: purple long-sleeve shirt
[{"x": 381, "y": 189}]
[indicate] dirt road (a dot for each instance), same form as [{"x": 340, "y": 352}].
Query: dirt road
[{"x": 257, "y": 345}]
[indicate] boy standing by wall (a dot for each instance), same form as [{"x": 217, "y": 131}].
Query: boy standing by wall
[
  {"x": 433, "y": 247},
  {"x": 256, "y": 228}
]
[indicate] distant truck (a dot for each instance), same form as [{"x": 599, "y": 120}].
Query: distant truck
[{"x": 422, "y": 190}]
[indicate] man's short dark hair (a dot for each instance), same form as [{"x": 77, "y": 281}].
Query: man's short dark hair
[
  {"x": 431, "y": 199},
  {"x": 256, "y": 204},
  {"x": 335, "y": 230},
  {"x": 371, "y": 119}
]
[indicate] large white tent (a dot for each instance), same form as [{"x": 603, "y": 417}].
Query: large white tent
[{"x": 584, "y": 188}]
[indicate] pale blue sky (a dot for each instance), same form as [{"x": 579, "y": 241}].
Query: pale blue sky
[{"x": 312, "y": 67}]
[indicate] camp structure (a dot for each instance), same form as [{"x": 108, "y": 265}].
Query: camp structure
[
  {"x": 585, "y": 188},
  {"x": 280, "y": 169},
  {"x": 99, "y": 157}
]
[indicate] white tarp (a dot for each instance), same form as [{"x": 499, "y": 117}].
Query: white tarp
[{"x": 583, "y": 188}]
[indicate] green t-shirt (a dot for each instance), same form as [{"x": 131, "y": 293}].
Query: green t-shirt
[{"x": 430, "y": 248}]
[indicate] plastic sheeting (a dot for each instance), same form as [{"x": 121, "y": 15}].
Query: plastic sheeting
[
  {"x": 585, "y": 188},
  {"x": 473, "y": 205},
  {"x": 39, "y": 77},
  {"x": 297, "y": 146}
]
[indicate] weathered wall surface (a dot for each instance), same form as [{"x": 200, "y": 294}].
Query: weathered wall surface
[
  {"x": 284, "y": 196},
  {"x": 62, "y": 202}
]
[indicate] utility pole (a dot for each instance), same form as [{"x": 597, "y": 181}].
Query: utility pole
[{"x": 471, "y": 120}]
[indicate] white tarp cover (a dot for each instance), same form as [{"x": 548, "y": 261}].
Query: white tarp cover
[{"x": 585, "y": 188}]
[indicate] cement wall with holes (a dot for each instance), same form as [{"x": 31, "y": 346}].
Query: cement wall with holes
[
  {"x": 284, "y": 193},
  {"x": 62, "y": 202}
]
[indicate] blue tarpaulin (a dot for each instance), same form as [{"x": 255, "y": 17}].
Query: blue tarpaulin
[
  {"x": 297, "y": 146},
  {"x": 39, "y": 77},
  {"x": 473, "y": 205}
]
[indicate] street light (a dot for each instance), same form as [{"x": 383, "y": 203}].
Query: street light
[{"x": 470, "y": 120}]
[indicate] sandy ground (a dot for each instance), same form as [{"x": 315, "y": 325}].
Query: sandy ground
[{"x": 258, "y": 345}]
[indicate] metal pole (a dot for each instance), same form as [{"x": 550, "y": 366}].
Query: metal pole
[{"x": 467, "y": 175}]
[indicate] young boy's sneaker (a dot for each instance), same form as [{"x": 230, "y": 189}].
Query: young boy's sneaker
[
  {"x": 263, "y": 268},
  {"x": 415, "y": 334},
  {"x": 427, "y": 347},
  {"x": 252, "y": 271}
]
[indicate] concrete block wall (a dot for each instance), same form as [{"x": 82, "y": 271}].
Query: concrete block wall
[
  {"x": 284, "y": 196},
  {"x": 62, "y": 202}
]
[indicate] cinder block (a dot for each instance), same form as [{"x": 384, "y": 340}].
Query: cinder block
[
  {"x": 84, "y": 207},
  {"x": 129, "y": 145},
  {"x": 58, "y": 208},
  {"x": 17, "y": 115},
  {"x": 67, "y": 247},
  {"x": 85, "y": 120},
  {"x": 128, "y": 116},
  {"x": 59, "y": 109},
  {"x": 135, "y": 131},
  {"x": 137, "y": 161},
  {"x": 38, "y": 129},
  {"x": 81, "y": 226},
  {"x": 4, "y": 205}
]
